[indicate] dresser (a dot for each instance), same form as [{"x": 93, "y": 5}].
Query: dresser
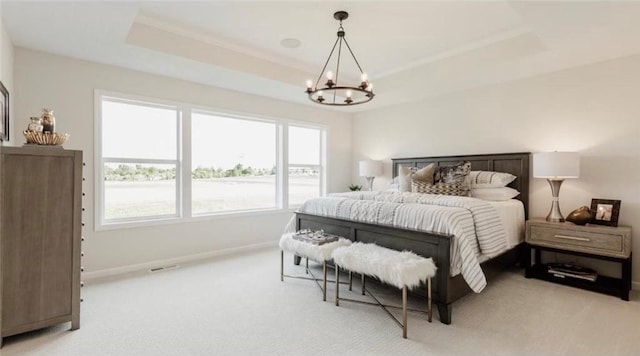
[
  {"x": 598, "y": 242},
  {"x": 40, "y": 238}
]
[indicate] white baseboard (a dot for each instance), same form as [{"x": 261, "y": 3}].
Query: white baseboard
[
  {"x": 109, "y": 272},
  {"x": 635, "y": 285}
]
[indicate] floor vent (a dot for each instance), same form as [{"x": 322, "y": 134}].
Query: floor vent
[{"x": 163, "y": 268}]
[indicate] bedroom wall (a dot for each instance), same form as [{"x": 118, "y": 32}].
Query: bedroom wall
[
  {"x": 67, "y": 86},
  {"x": 592, "y": 109}
]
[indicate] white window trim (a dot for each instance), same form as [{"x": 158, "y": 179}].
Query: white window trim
[{"x": 183, "y": 163}]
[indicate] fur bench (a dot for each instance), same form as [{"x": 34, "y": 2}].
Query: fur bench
[
  {"x": 400, "y": 269},
  {"x": 319, "y": 253}
]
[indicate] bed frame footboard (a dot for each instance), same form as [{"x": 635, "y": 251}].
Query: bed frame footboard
[{"x": 427, "y": 244}]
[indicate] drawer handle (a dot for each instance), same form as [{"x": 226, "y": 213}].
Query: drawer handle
[{"x": 573, "y": 238}]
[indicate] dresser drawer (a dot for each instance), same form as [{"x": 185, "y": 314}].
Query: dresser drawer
[{"x": 610, "y": 244}]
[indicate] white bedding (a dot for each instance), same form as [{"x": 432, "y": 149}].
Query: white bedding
[{"x": 500, "y": 225}]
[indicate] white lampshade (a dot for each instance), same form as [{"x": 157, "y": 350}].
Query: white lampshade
[
  {"x": 370, "y": 168},
  {"x": 556, "y": 165}
]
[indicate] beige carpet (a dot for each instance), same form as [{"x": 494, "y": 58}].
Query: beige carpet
[{"x": 238, "y": 306}]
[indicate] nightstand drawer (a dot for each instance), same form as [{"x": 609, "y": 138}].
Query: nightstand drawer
[{"x": 580, "y": 240}]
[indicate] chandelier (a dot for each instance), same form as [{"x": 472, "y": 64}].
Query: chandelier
[{"x": 332, "y": 92}]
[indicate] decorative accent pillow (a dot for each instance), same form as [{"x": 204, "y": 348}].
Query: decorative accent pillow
[
  {"x": 457, "y": 174},
  {"x": 494, "y": 194},
  {"x": 406, "y": 175},
  {"x": 486, "y": 179},
  {"x": 418, "y": 186}
]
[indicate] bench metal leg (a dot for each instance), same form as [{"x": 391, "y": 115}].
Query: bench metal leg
[
  {"x": 335, "y": 265},
  {"x": 363, "y": 284},
  {"x": 429, "y": 309},
  {"x": 281, "y": 265},
  {"x": 350, "y": 280},
  {"x": 324, "y": 281},
  {"x": 307, "y": 266},
  {"x": 404, "y": 312}
]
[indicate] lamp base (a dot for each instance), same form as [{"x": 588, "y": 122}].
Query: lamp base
[
  {"x": 554, "y": 214},
  {"x": 370, "y": 182}
]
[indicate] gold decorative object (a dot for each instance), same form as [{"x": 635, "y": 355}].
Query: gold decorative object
[
  {"x": 581, "y": 216},
  {"x": 46, "y": 138}
]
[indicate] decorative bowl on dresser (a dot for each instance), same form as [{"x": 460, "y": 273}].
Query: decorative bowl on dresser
[{"x": 598, "y": 242}]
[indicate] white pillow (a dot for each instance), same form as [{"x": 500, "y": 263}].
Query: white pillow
[
  {"x": 494, "y": 194},
  {"x": 485, "y": 179}
]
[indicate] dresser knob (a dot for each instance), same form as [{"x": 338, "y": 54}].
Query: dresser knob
[
  {"x": 83, "y": 194},
  {"x": 82, "y": 209},
  {"x": 82, "y": 238},
  {"x": 81, "y": 284},
  {"x": 84, "y": 164},
  {"x": 81, "y": 269},
  {"x": 82, "y": 224},
  {"x": 84, "y": 179},
  {"x": 81, "y": 300},
  {"x": 82, "y": 254}
]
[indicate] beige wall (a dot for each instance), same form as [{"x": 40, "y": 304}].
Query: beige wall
[
  {"x": 67, "y": 86},
  {"x": 593, "y": 109}
]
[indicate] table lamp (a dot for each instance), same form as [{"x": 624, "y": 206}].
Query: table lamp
[
  {"x": 370, "y": 169},
  {"x": 556, "y": 166}
]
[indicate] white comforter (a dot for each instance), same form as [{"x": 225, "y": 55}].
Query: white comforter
[{"x": 474, "y": 223}]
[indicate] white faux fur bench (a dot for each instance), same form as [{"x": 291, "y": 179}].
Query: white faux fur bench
[
  {"x": 318, "y": 253},
  {"x": 401, "y": 269}
]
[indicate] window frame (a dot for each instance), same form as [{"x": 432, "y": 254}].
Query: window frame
[
  {"x": 183, "y": 160},
  {"x": 100, "y": 160}
]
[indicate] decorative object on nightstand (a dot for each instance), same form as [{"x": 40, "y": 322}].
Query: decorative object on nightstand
[
  {"x": 606, "y": 211},
  {"x": 556, "y": 166},
  {"x": 581, "y": 216},
  {"x": 370, "y": 169},
  {"x": 355, "y": 188},
  {"x": 597, "y": 242}
]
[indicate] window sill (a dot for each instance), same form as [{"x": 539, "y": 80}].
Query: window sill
[{"x": 199, "y": 218}]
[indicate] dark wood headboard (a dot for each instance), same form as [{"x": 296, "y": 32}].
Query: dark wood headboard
[{"x": 514, "y": 163}]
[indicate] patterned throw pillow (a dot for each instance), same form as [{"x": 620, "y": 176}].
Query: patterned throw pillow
[
  {"x": 406, "y": 175},
  {"x": 418, "y": 186},
  {"x": 486, "y": 179},
  {"x": 456, "y": 174}
]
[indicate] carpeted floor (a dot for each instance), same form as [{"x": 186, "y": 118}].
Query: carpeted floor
[{"x": 237, "y": 306}]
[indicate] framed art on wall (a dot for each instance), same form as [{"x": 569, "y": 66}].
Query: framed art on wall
[
  {"x": 606, "y": 211},
  {"x": 4, "y": 113}
]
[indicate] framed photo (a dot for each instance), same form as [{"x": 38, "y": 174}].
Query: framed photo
[
  {"x": 606, "y": 211},
  {"x": 4, "y": 113}
]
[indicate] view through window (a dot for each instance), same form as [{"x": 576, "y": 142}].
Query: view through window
[
  {"x": 234, "y": 162},
  {"x": 140, "y": 150}
]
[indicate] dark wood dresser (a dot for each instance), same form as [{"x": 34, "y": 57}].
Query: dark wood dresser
[{"x": 40, "y": 238}]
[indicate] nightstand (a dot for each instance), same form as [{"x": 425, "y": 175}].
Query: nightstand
[{"x": 594, "y": 241}]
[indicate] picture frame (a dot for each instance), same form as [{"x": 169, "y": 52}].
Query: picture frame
[
  {"x": 4, "y": 113},
  {"x": 606, "y": 211}
]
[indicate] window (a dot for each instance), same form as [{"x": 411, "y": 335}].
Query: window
[
  {"x": 139, "y": 144},
  {"x": 304, "y": 164},
  {"x": 233, "y": 164},
  {"x": 159, "y": 162}
]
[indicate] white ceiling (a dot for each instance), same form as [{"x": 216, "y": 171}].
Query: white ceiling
[{"x": 411, "y": 50}]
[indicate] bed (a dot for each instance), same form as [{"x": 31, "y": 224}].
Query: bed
[{"x": 447, "y": 288}]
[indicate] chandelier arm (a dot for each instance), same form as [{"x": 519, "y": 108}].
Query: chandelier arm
[
  {"x": 327, "y": 62},
  {"x": 338, "y": 64},
  {"x": 353, "y": 55}
]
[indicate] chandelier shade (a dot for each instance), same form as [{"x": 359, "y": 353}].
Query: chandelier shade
[{"x": 333, "y": 92}]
